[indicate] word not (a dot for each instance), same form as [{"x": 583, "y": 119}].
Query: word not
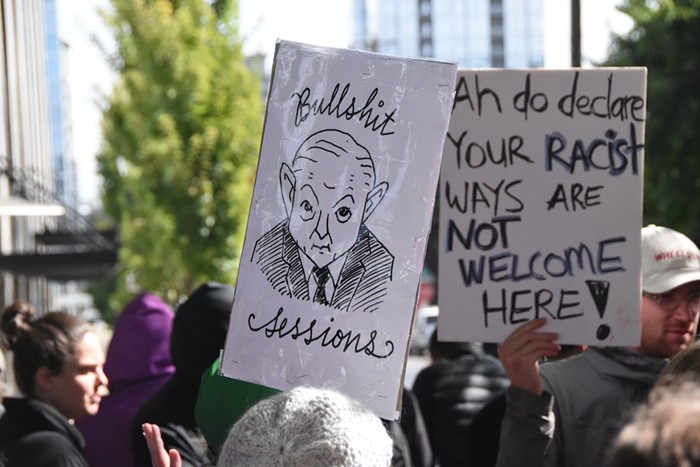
[
  {"x": 580, "y": 197},
  {"x": 525, "y": 305},
  {"x": 603, "y": 105},
  {"x": 482, "y": 194},
  {"x": 464, "y": 94},
  {"x": 336, "y": 106},
  {"x": 508, "y": 267},
  {"x": 476, "y": 155},
  {"x": 613, "y": 155},
  {"x": 280, "y": 327},
  {"x": 483, "y": 235}
]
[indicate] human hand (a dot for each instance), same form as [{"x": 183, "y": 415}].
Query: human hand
[
  {"x": 521, "y": 351},
  {"x": 159, "y": 456}
]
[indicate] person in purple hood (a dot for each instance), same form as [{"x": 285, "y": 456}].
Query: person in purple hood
[{"x": 138, "y": 364}]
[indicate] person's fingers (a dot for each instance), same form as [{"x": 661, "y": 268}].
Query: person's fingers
[
  {"x": 175, "y": 459},
  {"x": 154, "y": 440},
  {"x": 524, "y": 340},
  {"x": 521, "y": 351},
  {"x": 527, "y": 341},
  {"x": 527, "y": 328},
  {"x": 523, "y": 331},
  {"x": 535, "y": 349},
  {"x": 530, "y": 348}
]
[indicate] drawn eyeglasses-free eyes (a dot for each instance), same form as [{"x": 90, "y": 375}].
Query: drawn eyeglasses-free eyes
[{"x": 670, "y": 301}]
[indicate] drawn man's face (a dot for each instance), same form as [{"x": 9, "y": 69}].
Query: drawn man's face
[{"x": 328, "y": 204}]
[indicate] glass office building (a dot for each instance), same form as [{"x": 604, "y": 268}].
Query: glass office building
[
  {"x": 474, "y": 33},
  {"x": 59, "y": 101}
]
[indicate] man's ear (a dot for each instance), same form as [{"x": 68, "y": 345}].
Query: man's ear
[
  {"x": 374, "y": 197},
  {"x": 44, "y": 380},
  {"x": 288, "y": 184}
]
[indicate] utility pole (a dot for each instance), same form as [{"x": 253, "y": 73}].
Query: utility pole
[
  {"x": 425, "y": 28},
  {"x": 576, "y": 33}
]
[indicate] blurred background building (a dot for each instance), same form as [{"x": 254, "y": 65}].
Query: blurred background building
[
  {"x": 474, "y": 33},
  {"x": 46, "y": 248}
]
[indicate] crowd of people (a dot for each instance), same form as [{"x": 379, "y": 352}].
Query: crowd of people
[{"x": 155, "y": 397}]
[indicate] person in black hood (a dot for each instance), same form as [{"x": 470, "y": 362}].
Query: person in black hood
[
  {"x": 58, "y": 365},
  {"x": 199, "y": 333}
]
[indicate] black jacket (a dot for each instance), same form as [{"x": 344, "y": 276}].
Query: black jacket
[
  {"x": 172, "y": 410},
  {"x": 450, "y": 393},
  {"x": 199, "y": 333},
  {"x": 34, "y": 434},
  {"x": 409, "y": 436}
]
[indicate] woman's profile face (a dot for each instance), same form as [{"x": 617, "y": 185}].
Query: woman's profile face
[{"x": 74, "y": 391}]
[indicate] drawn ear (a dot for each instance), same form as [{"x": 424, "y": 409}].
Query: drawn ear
[
  {"x": 374, "y": 197},
  {"x": 288, "y": 184}
]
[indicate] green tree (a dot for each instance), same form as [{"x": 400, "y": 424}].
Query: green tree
[
  {"x": 182, "y": 130},
  {"x": 666, "y": 39}
]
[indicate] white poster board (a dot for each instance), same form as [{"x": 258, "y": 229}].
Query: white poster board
[
  {"x": 347, "y": 175},
  {"x": 541, "y": 205}
]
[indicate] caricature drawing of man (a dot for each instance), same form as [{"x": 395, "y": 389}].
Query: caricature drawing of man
[{"x": 323, "y": 251}]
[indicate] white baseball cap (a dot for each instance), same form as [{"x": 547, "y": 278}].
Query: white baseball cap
[{"x": 669, "y": 259}]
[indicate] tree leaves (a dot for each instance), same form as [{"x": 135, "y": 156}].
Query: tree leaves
[
  {"x": 666, "y": 39},
  {"x": 181, "y": 138}
]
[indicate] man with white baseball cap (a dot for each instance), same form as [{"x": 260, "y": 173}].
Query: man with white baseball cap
[
  {"x": 671, "y": 292},
  {"x": 566, "y": 413}
]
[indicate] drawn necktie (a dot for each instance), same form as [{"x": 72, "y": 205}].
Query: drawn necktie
[{"x": 322, "y": 275}]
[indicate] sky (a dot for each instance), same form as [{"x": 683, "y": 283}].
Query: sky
[
  {"x": 89, "y": 77},
  {"x": 320, "y": 22}
]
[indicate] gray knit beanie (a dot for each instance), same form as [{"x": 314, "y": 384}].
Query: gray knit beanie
[{"x": 307, "y": 427}]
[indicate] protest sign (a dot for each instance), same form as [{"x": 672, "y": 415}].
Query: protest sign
[
  {"x": 339, "y": 220},
  {"x": 541, "y": 205}
]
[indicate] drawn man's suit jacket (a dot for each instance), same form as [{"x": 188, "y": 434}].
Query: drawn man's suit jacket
[{"x": 363, "y": 279}]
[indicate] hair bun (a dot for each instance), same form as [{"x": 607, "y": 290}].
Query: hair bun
[{"x": 15, "y": 319}]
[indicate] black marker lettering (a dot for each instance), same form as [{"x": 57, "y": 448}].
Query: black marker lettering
[
  {"x": 337, "y": 105},
  {"x": 338, "y": 338}
]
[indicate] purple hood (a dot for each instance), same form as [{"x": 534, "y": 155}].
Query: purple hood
[{"x": 140, "y": 346}]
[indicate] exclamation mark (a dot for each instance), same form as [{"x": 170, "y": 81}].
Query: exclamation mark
[{"x": 599, "y": 290}]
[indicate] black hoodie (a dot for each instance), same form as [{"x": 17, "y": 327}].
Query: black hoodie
[{"x": 34, "y": 434}]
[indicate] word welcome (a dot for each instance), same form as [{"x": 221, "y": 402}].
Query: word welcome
[
  {"x": 512, "y": 267},
  {"x": 281, "y": 327}
]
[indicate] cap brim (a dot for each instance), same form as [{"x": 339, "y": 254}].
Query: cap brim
[{"x": 664, "y": 281}]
